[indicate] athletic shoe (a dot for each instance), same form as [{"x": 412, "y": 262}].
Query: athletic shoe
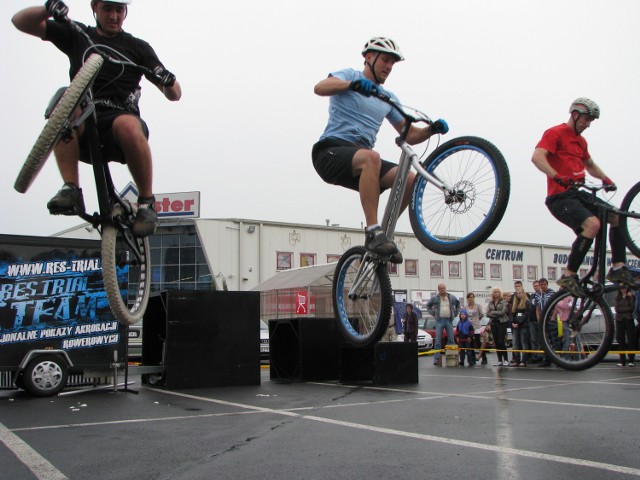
[
  {"x": 622, "y": 275},
  {"x": 621, "y": 364},
  {"x": 522, "y": 364},
  {"x": 631, "y": 364},
  {"x": 68, "y": 201},
  {"x": 571, "y": 283},
  {"x": 505, "y": 364},
  {"x": 377, "y": 242},
  {"x": 146, "y": 220},
  {"x": 499, "y": 364}
]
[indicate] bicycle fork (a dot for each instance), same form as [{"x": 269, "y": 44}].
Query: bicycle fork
[{"x": 362, "y": 288}]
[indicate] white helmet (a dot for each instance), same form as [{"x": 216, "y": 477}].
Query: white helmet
[
  {"x": 121, "y": 2},
  {"x": 382, "y": 44},
  {"x": 585, "y": 106}
]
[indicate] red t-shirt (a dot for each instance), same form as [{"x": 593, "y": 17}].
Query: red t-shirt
[{"x": 567, "y": 155}]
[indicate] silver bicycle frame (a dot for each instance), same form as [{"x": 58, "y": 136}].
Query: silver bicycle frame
[{"x": 408, "y": 158}]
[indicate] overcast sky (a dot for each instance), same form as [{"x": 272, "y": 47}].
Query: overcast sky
[{"x": 242, "y": 134}]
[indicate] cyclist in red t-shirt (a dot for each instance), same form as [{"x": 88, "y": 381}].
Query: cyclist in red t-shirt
[{"x": 562, "y": 155}]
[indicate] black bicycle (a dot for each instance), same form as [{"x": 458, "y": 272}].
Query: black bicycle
[
  {"x": 459, "y": 196},
  {"x": 578, "y": 332},
  {"x": 125, "y": 257}
]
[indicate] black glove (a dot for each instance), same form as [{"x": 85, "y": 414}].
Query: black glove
[
  {"x": 164, "y": 77},
  {"x": 57, "y": 9}
]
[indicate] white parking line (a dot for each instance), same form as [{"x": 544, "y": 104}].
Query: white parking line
[
  {"x": 35, "y": 462},
  {"x": 501, "y": 450}
]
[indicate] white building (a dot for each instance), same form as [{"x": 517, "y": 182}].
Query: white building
[{"x": 241, "y": 253}]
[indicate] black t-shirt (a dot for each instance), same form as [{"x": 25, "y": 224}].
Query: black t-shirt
[{"x": 113, "y": 82}]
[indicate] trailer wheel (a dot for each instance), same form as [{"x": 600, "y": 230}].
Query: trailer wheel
[{"x": 45, "y": 375}]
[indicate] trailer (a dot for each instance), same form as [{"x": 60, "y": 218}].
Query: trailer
[{"x": 56, "y": 327}]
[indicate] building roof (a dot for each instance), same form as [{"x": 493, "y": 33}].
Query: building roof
[{"x": 313, "y": 276}]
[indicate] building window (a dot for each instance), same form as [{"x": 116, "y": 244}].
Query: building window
[
  {"x": 392, "y": 269},
  {"x": 496, "y": 271},
  {"x": 478, "y": 270},
  {"x": 552, "y": 273},
  {"x": 454, "y": 270},
  {"x": 307, "y": 259},
  {"x": 333, "y": 258},
  {"x": 532, "y": 273},
  {"x": 411, "y": 268},
  {"x": 284, "y": 260},
  {"x": 178, "y": 262},
  {"x": 435, "y": 268},
  {"x": 517, "y": 272}
]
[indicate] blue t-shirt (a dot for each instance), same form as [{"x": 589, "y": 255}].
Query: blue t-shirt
[{"x": 356, "y": 118}]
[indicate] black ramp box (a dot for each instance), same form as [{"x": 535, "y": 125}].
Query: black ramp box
[
  {"x": 386, "y": 363},
  {"x": 304, "y": 349},
  {"x": 213, "y": 339}
]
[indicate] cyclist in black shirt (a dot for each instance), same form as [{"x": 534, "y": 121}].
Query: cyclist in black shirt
[{"x": 123, "y": 134}]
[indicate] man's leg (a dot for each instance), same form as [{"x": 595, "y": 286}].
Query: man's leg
[
  {"x": 438, "y": 345},
  {"x": 69, "y": 200}
]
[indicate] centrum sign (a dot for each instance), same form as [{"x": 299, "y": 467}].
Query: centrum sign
[{"x": 173, "y": 205}]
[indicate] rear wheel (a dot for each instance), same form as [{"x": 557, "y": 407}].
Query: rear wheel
[
  {"x": 576, "y": 332},
  {"x": 631, "y": 226},
  {"x": 126, "y": 269},
  {"x": 58, "y": 122},
  {"x": 460, "y": 219},
  {"x": 361, "y": 297}
]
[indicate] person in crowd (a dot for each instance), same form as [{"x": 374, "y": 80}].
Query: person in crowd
[
  {"x": 465, "y": 339},
  {"x": 391, "y": 333},
  {"x": 625, "y": 326},
  {"x": 475, "y": 314},
  {"x": 563, "y": 156},
  {"x": 124, "y": 135},
  {"x": 444, "y": 307},
  {"x": 540, "y": 301},
  {"x": 521, "y": 313},
  {"x": 344, "y": 153},
  {"x": 562, "y": 314},
  {"x": 534, "y": 339},
  {"x": 410, "y": 322},
  {"x": 497, "y": 312}
]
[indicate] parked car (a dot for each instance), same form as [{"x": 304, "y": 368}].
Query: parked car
[
  {"x": 135, "y": 342},
  {"x": 428, "y": 324},
  {"x": 425, "y": 341},
  {"x": 264, "y": 340}
]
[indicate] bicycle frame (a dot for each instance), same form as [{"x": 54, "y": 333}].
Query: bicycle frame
[
  {"x": 408, "y": 158},
  {"x": 599, "y": 286}
]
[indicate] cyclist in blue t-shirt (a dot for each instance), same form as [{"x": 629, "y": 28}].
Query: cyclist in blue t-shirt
[{"x": 344, "y": 154}]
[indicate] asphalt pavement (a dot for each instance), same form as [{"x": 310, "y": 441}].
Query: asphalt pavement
[{"x": 479, "y": 422}]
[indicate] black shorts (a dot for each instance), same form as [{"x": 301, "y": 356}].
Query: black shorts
[
  {"x": 573, "y": 207},
  {"x": 111, "y": 151},
  {"x": 333, "y": 158}
]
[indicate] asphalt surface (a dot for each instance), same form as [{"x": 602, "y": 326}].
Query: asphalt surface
[{"x": 472, "y": 422}]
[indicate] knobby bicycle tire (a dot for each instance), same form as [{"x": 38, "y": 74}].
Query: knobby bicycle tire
[
  {"x": 452, "y": 224},
  {"x": 58, "y": 120},
  {"x": 127, "y": 276},
  {"x": 631, "y": 226},
  {"x": 361, "y": 320},
  {"x": 584, "y": 338}
]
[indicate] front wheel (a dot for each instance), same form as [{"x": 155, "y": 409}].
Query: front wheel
[
  {"x": 126, "y": 269},
  {"x": 58, "y": 122},
  {"x": 576, "y": 332},
  {"x": 458, "y": 220},
  {"x": 631, "y": 226},
  {"x": 361, "y": 297}
]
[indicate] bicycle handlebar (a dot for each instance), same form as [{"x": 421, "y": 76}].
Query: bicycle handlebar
[
  {"x": 104, "y": 50},
  {"x": 593, "y": 187},
  {"x": 419, "y": 117}
]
